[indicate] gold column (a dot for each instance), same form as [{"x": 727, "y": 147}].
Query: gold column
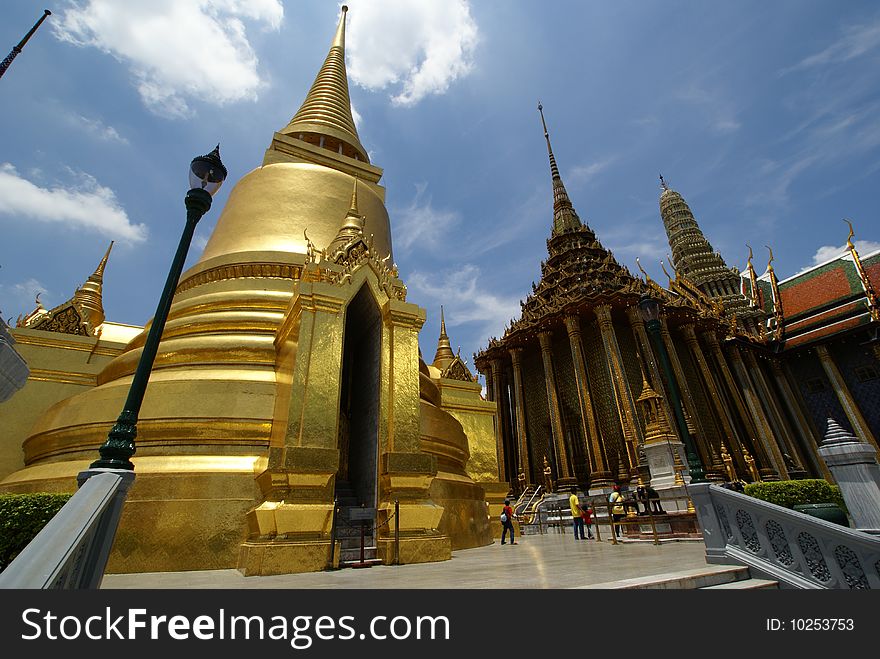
[
  {"x": 766, "y": 469},
  {"x": 845, "y": 397},
  {"x": 693, "y": 344},
  {"x": 499, "y": 418},
  {"x": 519, "y": 411},
  {"x": 792, "y": 401},
  {"x": 599, "y": 475},
  {"x": 655, "y": 380},
  {"x": 687, "y": 398},
  {"x": 765, "y": 440},
  {"x": 773, "y": 407},
  {"x": 626, "y": 407},
  {"x": 562, "y": 469}
]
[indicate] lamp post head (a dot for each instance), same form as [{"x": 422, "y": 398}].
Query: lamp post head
[
  {"x": 207, "y": 172},
  {"x": 649, "y": 308}
]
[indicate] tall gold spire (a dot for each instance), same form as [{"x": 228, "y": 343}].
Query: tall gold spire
[
  {"x": 89, "y": 296},
  {"x": 565, "y": 218},
  {"x": 325, "y": 117},
  {"x": 444, "y": 355}
]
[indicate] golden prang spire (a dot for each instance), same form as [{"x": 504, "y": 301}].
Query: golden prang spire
[
  {"x": 444, "y": 355},
  {"x": 325, "y": 118},
  {"x": 565, "y": 218},
  {"x": 89, "y": 296}
]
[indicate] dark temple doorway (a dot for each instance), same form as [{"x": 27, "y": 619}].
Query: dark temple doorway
[{"x": 359, "y": 401}]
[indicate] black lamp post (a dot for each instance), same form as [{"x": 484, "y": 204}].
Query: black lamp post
[
  {"x": 649, "y": 309},
  {"x": 206, "y": 175},
  {"x": 18, "y": 48}
]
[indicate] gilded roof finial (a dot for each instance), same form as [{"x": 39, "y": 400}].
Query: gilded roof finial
[
  {"x": 37, "y": 300},
  {"x": 849, "y": 242},
  {"x": 554, "y": 169},
  {"x": 642, "y": 270},
  {"x": 753, "y": 280},
  {"x": 668, "y": 276},
  {"x": 769, "y": 266},
  {"x": 870, "y": 294}
]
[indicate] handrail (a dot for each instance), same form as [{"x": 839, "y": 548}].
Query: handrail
[
  {"x": 798, "y": 550},
  {"x": 71, "y": 551}
]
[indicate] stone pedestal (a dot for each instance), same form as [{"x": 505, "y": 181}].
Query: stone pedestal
[
  {"x": 854, "y": 466},
  {"x": 661, "y": 462}
]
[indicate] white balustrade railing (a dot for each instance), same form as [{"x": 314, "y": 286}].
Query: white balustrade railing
[{"x": 798, "y": 550}]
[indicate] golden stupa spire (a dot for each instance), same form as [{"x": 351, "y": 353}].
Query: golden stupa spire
[
  {"x": 89, "y": 296},
  {"x": 325, "y": 117},
  {"x": 565, "y": 218},
  {"x": 444, "y": 355}
]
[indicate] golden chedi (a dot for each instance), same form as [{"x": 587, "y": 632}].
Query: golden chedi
[{"x": 288, "y": 377}]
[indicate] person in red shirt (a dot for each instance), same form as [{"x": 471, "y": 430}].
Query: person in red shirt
[
  {"x": 507, "y": 522},
  {"x": 587, "y": 515}
]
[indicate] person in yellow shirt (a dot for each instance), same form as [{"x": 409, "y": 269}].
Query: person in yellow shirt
[
  {"x": 577, "y": 519},
  {"x": 618, "y": 512}
]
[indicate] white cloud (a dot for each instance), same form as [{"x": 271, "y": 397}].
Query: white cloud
[
  {"x": 415, "y": 48},
  {"x": 462, "y": 300},
  {"x": 581, "y": 174},
  {"x": 23, "y": 298},
  {"x": 176, "y": 50},
  {"x": 421, "y": 224},
  {"x": 828, "y": 252},
  {"x": 856, "y": 41},
  {"x": 86, "y": 204},
  {"x": 97, "y": 128}
]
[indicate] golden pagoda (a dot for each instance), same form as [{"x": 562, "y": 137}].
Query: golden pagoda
[{"x": 288, "y": 379}]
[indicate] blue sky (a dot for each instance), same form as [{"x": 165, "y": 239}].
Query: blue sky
[{"x": 764, "y": 116}]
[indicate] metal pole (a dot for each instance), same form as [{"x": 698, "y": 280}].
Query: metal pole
[
  {"x": 331, "y": 565},
  {"x": 18, "y": 48},
  {"x": 694, "y": 466},
  {"x": 117, "y": 450},
  {"x": 396, "y": 532}
]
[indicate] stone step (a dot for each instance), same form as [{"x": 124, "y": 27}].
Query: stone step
[
  {"x": 357, "y": 562},
  {"x": 746, "y": 584},
  {"x": 701, "y": 577}
]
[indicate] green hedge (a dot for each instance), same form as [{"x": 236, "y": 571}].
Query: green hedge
[
  {"x": 792, "y": 493},
  {"x": 22, "y": 516}
]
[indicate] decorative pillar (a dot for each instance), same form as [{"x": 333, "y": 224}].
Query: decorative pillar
[
  {"x": 686, "y": 397},
  {"x": 857, "y": 421},
  {"x": 792, "y": 401},
  {"x": 600, "y": 477},
  {"x": 626, "y": 408},
  {"x": 766, "y": 468},
  {"x": 712, "y": 449},
  {"x": 563, "y": 472},
  {"x": 764, "y": 443},
  {"x": 793, "y": 465},
  {"x": 520, "y": 413},
  {"x": 495, "y": 391}
]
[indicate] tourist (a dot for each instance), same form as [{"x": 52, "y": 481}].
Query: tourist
[
  {"x": 587, "y": 515},
  {"x": 618, "y": 512},
  {"x": 577, "y": 519},
  {"x": 507, "y": 523}
]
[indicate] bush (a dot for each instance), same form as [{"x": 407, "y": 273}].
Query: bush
[
  {"x": 789, "y": 494},
  {"x": 22, "y": 516}
]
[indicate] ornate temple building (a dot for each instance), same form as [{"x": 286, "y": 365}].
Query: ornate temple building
[
  {"x": 735, "y": 378},
  {"x": 288, "y": 380},
  {"x": 289, "y": 377}
]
